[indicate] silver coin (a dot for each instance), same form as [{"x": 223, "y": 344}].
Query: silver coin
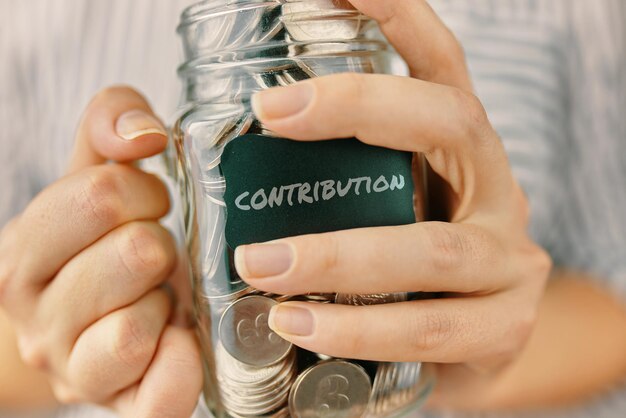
[
  {"x": 322, "y": 20},
  {"x": 227, "y": 297},
  {"x": 314, "y": 297},
  {"x": 367, "y": 300},
  {"x": 320, "y": 297},
  {"x": 218, "y": 304},
  {"x": 335, "y": 388},
  {"x": 278, "y": 414},
  {"x": 270, "y": 392},
  {"x": 245, "y": 376},
  {"x": 249, "y": 391},
  {"x": 214, "y": 290},
  {"x": 246, "y": 335},
  {"x": 282, "y": 298},
  {"x": 395, "y": 386},
  {"x": 274, "y": 397},
  {"x": 258, "y": 405},
  {"x": 258, "y": 408},
  {"x": 206, "y": 30},
  {"x": 278, "y": 298},
  {"x": 252, "y": 382}
]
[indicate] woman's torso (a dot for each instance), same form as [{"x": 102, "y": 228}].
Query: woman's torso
[{"x": 548, "y": 72}]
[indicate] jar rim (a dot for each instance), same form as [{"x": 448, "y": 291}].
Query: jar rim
[
  {"x": 219, "y": 61},
  {"x": 212, "y": 8}
]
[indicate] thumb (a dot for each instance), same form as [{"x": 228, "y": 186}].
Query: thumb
[{"x": 117, "y": 125}]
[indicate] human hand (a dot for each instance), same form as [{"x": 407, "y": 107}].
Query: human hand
[
  {"x": 490, "y": 272},
  {"x": 81, "y": 271}
]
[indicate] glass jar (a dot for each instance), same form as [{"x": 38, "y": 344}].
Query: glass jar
[{"x": 231, "y": 50}]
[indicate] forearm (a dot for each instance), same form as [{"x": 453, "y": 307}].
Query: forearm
[
  {"x": 577, "y": 351},
  {"x": 20, "y": 387}
]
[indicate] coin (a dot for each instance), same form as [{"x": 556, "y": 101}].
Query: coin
[
  {"x": 206, "y": 30},
  {"x": 322, "y": 20},
  {"x": 395, "y": 386},
  {"x": 278, "y": 298},
  {"x": 335, "y": 388},
  {"x": 320, "y": 297},
  {"x": 225, "y": 299},
  {"x": 314, "y": 297},
  {"x": 367, "y": 300},
  {"x": 248, "y": 391},
  {"x": 246, "y": 335},
  {"x": 246, "y": 376}
]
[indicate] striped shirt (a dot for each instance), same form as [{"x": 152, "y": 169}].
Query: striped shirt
[{"x": 551, "y": 73}]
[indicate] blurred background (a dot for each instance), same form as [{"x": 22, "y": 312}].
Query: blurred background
[{"x": 551, "y": 74}]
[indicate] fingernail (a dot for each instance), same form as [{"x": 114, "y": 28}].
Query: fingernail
[
  {"x": 292, "y": 320},
  {"x": 282, "y": 102},
  {"x": 135, "y": 123},
  {"x": 263, "y": 260}
]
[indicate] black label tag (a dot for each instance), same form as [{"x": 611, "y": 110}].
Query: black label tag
[{"x": 276, "y": 188}]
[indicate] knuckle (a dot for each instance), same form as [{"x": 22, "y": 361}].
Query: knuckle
[
  {"x": 330, "y": 253},
  {"x": 448, "y": 248},
  {"x": 473, "y": 114},
  {"x": 101, "y": 196},
  {"x": 65, "y": 395},
  {"x": 185, "y": 356},
  {"x": 142, "y": 250},
  {"x": 430, "y": 330},
  {"x": 518, "y": 335},
  {"x": 543, "y": 263},
  {"x": 354, "y": 85},
  {"x": 182, "y": 360},
  {"x": 131, "y": 342},
  {"x": 32, "y": 353},
  {"x": 538, "y": 264},
  {"x": 523, "y": 329}
]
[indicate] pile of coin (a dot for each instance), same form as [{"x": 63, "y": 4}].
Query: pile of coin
[
  {"x": 395, "y": 385},
  {"x": 252, "y": 372},
  {"x": 367, "y": 300},
  {"x": 255, "y": 367},
  {"x": 260, "y": 374},
  {"x": 249, "y": 391}
]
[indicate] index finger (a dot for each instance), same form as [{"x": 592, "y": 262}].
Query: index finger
[
  {"x": 430, "y": 49},
  {"x": 448, "y": 125},
  {"x": 69, "y": 216}
]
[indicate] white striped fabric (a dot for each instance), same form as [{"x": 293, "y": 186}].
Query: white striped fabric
[{"x": 551, "y": 73}]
